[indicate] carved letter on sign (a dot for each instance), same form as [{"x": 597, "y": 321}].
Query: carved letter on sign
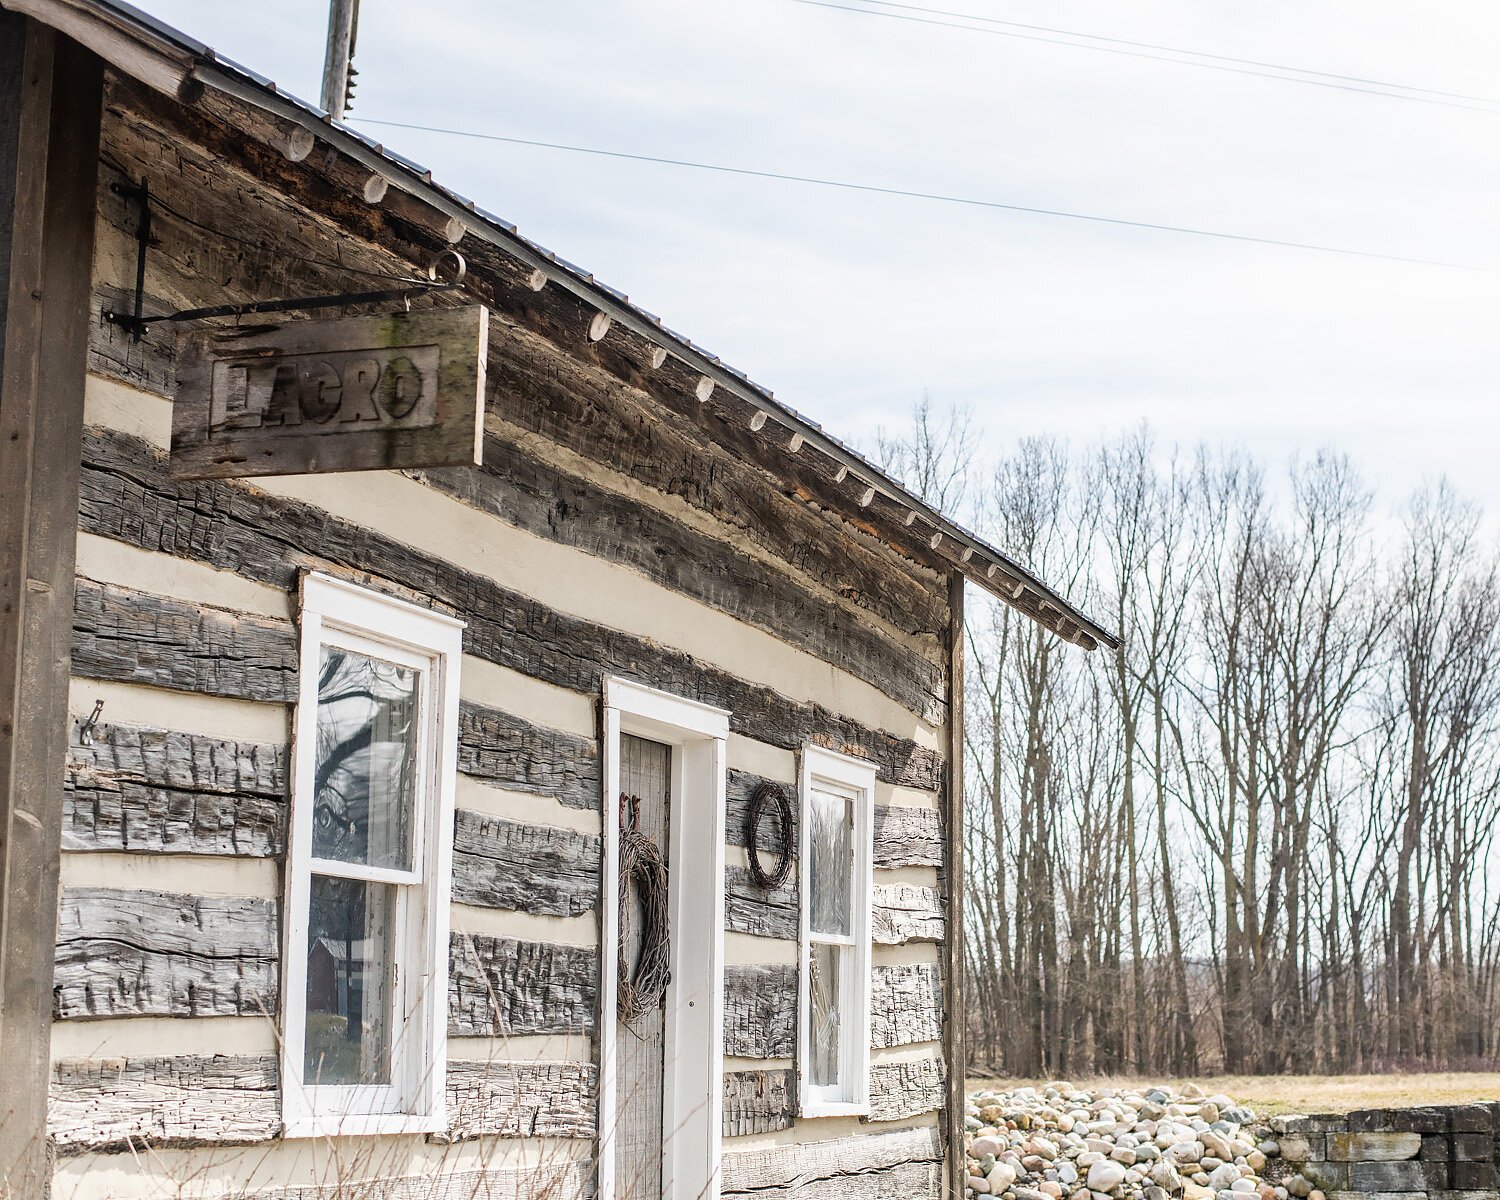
[{"x": 356, "y": 394}]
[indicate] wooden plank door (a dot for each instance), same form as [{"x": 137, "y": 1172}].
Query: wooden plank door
[{"x": 645, "y": 773}]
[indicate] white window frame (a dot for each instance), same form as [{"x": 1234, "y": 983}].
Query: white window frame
[
  {"x": 693, "y": 1076},
  {"x": 338, "y": 613},
  {"x": 853, "y": 778}
]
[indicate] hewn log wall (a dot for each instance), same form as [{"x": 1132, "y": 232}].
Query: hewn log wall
[{"x": 582, "y": 460}]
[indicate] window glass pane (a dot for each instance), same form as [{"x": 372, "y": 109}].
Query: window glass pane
[
  {"x": 350, "y": 982},
  {"x": 825, "y": 1021},
  {"x": 831, "y": 831},
  {"x": 366, "y": 760}
]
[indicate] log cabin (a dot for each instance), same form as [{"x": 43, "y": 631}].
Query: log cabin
[{"x": 459, "y": 738}]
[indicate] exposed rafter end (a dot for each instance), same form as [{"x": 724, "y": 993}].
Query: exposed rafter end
[
  {"x": 758, "y": 420},
  {"x": 375, "y": 189},
  {"x": 704, "y": 390},
  {"x": 795, "y": 444},
  {"x": 295, "y": 143},
  {"x": 867, "y": 497},
  {"x": 658, "y": 357},
  {"x": 599, "y": 326},
  {"x": 841, "y": 474},
  {"x": 537, "y": 280}
]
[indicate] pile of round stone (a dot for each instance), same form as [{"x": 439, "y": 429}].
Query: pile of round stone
[{"x": 1060, "y": 1142}]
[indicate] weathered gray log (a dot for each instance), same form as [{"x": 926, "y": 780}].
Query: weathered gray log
[
  {"x": 363, "y": 1179},
  {"x": 521, "y": 1099},
  {"x": 135, "y": 637},
  {"x": 906, "y": 1004},
  {"x": 509, "y": 750},
  {"x": 520, "y": 488},
  {"x": 760, "y": 1011},
  {"x": 908, "y": 837},
  {"x": 905, "y": 912},
  {"x": 871, "y": 1165},
  {"x": 906, "y": 1089},
  {"x": 904, "y": 1181},
  {"x": 268, "y": 538},
  {"x": 498, "y": 987},
  {"x": 749, "y": 908},
  {"x": 162, "y": 791},
  {"x": 525, "y": 868},
  {"x": 137, "y": 1103},
  {"x": 759, "y": 1101},
  {"x": 123, "y": 952},
  {"x": 566, "y": 398}
]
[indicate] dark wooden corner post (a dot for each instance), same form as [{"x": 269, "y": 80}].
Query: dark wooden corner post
[
  {"x": 50, "y": 93},
  {"x": 956, "y": 1183}
]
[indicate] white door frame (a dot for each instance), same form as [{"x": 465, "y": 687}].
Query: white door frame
[{"x": 693, "y": 1079}]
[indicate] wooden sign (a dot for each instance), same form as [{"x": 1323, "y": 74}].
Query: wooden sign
[{"x": 354, "y": 394}]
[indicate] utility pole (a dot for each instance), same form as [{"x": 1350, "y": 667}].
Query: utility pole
[{"x": 338, "y": 62}]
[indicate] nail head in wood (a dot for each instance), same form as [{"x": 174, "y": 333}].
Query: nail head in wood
[{"x": 599, "y": 326}]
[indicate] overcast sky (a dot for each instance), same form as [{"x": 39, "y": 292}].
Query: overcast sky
[{"x": 851, "y": 305}]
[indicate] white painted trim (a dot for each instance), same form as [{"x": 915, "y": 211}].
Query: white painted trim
[
  {"x": 692, "y": 1093},
  {"x": 333, "y": 611},
  {"x": 649, "y": 708},
  {"x": 854, "y": 777}
]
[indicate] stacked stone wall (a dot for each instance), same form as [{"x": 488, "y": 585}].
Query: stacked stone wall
[{"x": 1433, "y": 1153}]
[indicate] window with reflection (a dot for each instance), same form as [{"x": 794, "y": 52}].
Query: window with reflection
[
  {"x": 375, "y": 754},
  {"x": 837, "y": 808}
]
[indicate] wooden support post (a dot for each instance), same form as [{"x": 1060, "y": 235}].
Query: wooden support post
[
  {"x": 956, "y": 1177},
  {"x": 50, "y": 96}
]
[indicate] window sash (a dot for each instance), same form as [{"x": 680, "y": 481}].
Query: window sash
[
  {"x": 852, "y": 780},
  {"x": 429, "y": 666},
  {"x": 339, "y": 615}
]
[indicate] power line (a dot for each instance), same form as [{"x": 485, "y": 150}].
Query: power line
[
  {"x": 1249, "y": 62},
  {"x": 938, "y": 197},
  {"x": 1119, "y": 46}
]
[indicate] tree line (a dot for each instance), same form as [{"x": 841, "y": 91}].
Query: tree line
[{"x": 1260, "y": 837}]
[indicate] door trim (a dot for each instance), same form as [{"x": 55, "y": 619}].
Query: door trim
[{"x": 693, "y": 1078}]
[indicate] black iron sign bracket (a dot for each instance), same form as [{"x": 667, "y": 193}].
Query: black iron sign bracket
[{"x": 136, "y": 322}]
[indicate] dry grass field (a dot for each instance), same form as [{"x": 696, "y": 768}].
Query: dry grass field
[{"x": 1274, "y": 1095}]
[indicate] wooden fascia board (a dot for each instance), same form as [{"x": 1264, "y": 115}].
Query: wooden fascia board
[{"x": 125, "y": 45}]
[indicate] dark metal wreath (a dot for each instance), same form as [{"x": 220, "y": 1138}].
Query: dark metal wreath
[
  {"x": 770, "y": 795},
  {"x": 644, "y": 983}
]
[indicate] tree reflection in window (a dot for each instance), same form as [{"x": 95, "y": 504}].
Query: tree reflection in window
[
  {"x": 366, "y": 768},
  {"x": 350, "y": 980}
]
